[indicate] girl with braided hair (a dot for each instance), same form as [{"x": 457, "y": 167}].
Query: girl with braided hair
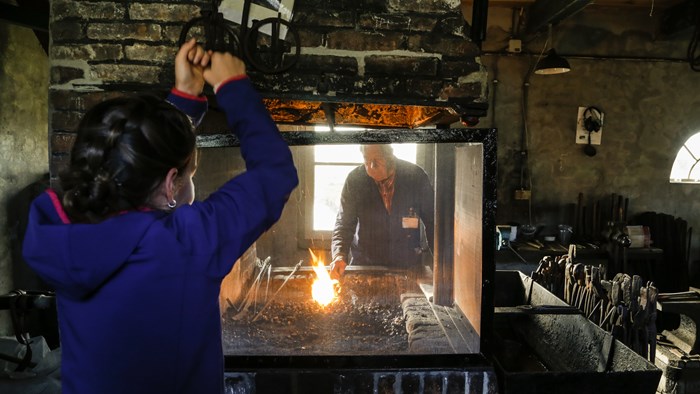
[{"x": 136, "y": 263}]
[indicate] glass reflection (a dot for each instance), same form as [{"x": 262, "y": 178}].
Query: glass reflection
[{"x": 267, "y": 307}]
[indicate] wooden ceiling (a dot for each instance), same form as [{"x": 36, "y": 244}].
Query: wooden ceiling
[
  {"x": 657, "y": 4},
  {"x": 541, "y": 13}
]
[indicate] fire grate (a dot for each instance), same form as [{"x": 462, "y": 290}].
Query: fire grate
[
  {"x": 305, "y": 328},
  {"x": 367, "y": 319}
]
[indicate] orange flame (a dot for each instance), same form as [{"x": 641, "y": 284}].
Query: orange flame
[{"x": 324, "y": 290}]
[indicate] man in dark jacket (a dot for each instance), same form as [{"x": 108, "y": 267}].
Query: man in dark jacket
[{"x": 382, "y": 206}]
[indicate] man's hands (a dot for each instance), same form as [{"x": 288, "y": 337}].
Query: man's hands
[
  {"x": 338, "y": 268},
  {"x": 194, "y": 66}
]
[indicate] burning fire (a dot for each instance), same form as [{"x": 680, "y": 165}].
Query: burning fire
[{"x": 324, "y": 290}]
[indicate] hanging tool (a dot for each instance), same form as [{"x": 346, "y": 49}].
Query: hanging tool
[{"x": 271, "y": 45}]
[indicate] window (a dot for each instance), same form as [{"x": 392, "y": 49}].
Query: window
[
  {"x": 685, "y": 168},
  {"x": 331, "y": 165}
]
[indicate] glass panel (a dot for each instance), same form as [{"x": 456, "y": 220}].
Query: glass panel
[
  {"x": 682, "y": 166},
  {"x": 337, "y": 154},
  {"x": 266, "y": 300},
  {"x": 328, "y": 184},
  {"x": 352, "y": 154},
  {"x": 685, "y": 168},
  {"x": 405, "y": 151},
  {"x": 329, "y": 179},
  {"x": 693, "y": 144},
  {"x": 694, "y": 175}
]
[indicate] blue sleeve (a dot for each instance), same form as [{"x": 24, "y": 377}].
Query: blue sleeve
[
  {"x": 194, "y": 107},
  {"x": 231, "y": 219}
]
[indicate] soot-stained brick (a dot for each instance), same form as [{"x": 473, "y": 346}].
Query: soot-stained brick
[{"x": 401, "y": 65}]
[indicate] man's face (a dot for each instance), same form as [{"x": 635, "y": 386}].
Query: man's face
[{"x": 377, "y": 165}]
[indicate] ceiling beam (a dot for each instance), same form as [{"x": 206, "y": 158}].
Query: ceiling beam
[
  {"x": 679, "y": 18},
  {"x": 546, "y": 12},
  {"x": 33, "y": 14},
  {"x": 480, "y": 12},
  {"x": 23, "y": 17},
  {"x": 503, "y": 3}
]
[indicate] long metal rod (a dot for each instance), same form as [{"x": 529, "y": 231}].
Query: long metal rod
[
  {"x": 245, "y": 303},
  {"x": 267, "y": 284},
  {"x": 296, "y": 267}
]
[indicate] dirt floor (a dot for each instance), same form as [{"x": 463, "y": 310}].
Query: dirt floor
[{"x": 366, "y": 319}]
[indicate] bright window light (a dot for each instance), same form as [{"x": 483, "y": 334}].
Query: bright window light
[
  {"x": 332, "y": 164},
  {"x": 685, "y": 168}
]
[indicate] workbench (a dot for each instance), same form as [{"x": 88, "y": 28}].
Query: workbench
[
  {"x": 526, "y": 256},
  {"x": 528, "y": 253}
]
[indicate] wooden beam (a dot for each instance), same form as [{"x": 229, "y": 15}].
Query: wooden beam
[
  {"x": 480, "y": 12},
  {"x": 545, "y": 12},
  {"x": 657, "y": 4},
  {"x": 443, "y": 265},
  {"x": 22, "y": 17},
  {"x": 679, "y": 18},
  {"x": 503, "y": 3}
]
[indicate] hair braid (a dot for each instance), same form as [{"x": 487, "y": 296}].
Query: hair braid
[{"x": 123, "y": 150}]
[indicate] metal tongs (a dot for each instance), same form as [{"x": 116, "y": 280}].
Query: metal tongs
[
  {"x": 296, "y": 267},
  {"x": 252, "y": 294}
]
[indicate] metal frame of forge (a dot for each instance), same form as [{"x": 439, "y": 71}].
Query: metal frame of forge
[{"x": 443, "y": 291}]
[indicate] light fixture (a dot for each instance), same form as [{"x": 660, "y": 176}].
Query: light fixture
[{"x": 552, "y": 63}]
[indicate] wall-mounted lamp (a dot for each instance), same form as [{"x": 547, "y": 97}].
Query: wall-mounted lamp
[{"x": 551, "y": 63}]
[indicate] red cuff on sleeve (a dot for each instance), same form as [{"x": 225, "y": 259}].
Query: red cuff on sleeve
[
  {"x": 187, "y": 95},
  {"x": 224, "y": 82}
]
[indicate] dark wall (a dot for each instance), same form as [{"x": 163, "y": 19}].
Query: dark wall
[
  {"x": 641, "y": 82},
  {"x": 23, "y": 148}
]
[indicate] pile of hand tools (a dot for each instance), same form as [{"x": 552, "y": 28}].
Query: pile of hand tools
[{"x": 624, "y": 306}]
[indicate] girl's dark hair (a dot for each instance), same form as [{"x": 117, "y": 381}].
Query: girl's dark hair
[{"x": 124, "y": 149}]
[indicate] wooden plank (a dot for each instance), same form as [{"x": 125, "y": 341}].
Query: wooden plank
[
  {"x": 444, "y": 224},
  {"x": 546, "y": 12},
  {"x": 469, "y": 233},
  {"x": 34, "y": 20},
  {"x": 503, "y": 3},
  {"x": 678, "y": 18},
  {"x": 460, "y": 338},
  {"x": 466, "y": 332},
  {"x": 658, "y": 4}
]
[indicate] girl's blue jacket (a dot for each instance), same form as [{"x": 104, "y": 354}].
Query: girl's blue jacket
[{"x": 137, "y": 294}]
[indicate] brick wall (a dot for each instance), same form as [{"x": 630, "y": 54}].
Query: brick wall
[{"x": 389, "y": 50}]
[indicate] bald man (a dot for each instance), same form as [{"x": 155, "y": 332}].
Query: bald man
[{"x": 383, "y": 206}]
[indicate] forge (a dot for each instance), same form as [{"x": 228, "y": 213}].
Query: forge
[
  {"x": 365, "y": 318},
  {"x": 389, "y": 327}
]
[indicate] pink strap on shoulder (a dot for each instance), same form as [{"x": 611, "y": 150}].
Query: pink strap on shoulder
[{"x": 58, "y": 206}]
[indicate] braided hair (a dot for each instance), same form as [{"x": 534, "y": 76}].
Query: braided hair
[{"x": 124, "y": 149}]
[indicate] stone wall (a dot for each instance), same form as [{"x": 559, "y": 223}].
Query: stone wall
[
  {"x": 641, "y": 82},
  {"x": 371, "y": 49},
  {"x": 23, "y": 133}
]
